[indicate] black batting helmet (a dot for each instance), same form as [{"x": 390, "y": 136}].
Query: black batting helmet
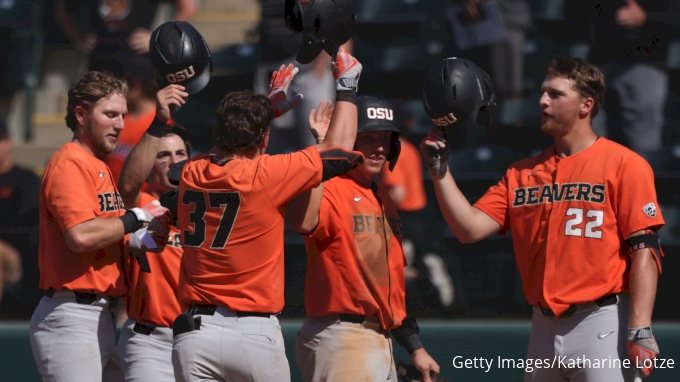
[
  {"x": 325, "y": 25},
  {"x": 457, "y": 91},
  {"x": 181, "y": 56},
  {"x": 378, "y": 115}
]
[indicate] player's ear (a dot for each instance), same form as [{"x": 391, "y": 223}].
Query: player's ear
[
  {"x": 586, "y": 106},
  {"x": 80, "y": 113}
]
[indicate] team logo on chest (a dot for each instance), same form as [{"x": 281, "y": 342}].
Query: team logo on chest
[
  {"x": 555, "y": 192},
  {"x": 110, "y": 201}
]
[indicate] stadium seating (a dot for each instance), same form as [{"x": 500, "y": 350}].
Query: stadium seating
[{"x": 22, "y": 44}]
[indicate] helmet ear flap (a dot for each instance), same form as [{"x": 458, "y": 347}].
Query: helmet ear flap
[
  {"x": 294, "y": 15},
  {"x": 395, "y": 150}
]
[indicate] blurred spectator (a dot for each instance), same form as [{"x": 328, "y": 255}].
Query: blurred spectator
[
  {"x": 629, "y": 44},
  {"x": 405, "y": 186},
  {"x": 18, "y": 235},
  {"x": 141, "y": 111},
  {"x": 113, "y": 31},
  {"x": 504, "y": 60},
  {"x": 279, "y": 46}
]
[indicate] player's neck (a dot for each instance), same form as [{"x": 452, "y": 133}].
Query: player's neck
[
  {"x": 223, "y": 155},
  {"x": 362, "y": 178},
  {"x": 579, "y": 138},
  {"x": 80, "y": 140}
]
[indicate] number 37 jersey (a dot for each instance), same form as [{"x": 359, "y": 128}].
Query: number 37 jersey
[
  {"x": 569, "y": 217},
  {"x": 231, "y": 216}
]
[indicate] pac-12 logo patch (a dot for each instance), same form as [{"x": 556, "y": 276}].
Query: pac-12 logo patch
[{"x": 650, "y": 210}]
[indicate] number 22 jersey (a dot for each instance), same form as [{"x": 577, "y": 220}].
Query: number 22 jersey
[{"x": 569, "y": 218}]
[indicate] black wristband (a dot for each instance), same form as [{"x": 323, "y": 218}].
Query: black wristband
[
  {"x": 346, "y": 95},
  {"x": 157, "y": 128},
  {"x": 130, "y": 222},
  {"x": 412, "y": 344}
]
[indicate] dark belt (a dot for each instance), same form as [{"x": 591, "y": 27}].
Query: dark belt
[
  {"x": 85, "y": 298},
  {"x": 610, "y": 299},
  {"x": 143, "y": 328},
  {"x": 209, "y": 310},
  {"x": 355, "y": 318}
]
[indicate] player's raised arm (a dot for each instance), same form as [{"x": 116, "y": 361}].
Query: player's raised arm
[
  {"x": 467, "y": 223},
  {"x": 343, "y": 126},
  {"x": 303, "y": 210},
  {"x": 140, "y": 161}
]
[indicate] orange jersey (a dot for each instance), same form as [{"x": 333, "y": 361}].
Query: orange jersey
[
  {"x": 78, "y": 187},
  {"x": 153, "y": 296},
  {"x": 231, "y": 217},
  {"x": 408, "y": 173},
  {"x": 132, "y": 133},
  {"x": 355, "y": 255},
  {"x": 569, "y": 217}
]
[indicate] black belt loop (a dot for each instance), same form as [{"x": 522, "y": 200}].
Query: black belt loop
[
  {"x": 50, "y": 293},
  {"x": 143, "y": 328}
]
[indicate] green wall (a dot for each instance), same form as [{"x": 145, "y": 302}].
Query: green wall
[{"x": 444, "y": 340}]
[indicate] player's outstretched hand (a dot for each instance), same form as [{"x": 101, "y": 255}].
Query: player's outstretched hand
[
  {"x": 320, "y": 119},
  {"x": 642, "y": 350},
  {"x": 409, "y": 373},
  {"x": 346, "y": 71},
  {"x": 169, "y": 98},
  {"x": 435, "y": 151},
  {"x": 278, "y": 90}
]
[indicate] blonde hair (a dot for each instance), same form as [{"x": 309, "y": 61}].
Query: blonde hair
[
  {"x": 588, "y": 79},
  {"x": 88, "y": 90}
]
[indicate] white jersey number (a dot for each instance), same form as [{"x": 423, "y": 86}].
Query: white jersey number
[{"x": 590, "y": 229}]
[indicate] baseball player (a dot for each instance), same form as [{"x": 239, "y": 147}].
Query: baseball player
[
  {"x": 231, "y": 210},
  {"x": 83, "y": 236},
  {"x": 145, "y": 344},
  {"x": 354, "y": 288},
  {"x": 583, "y": 216}
]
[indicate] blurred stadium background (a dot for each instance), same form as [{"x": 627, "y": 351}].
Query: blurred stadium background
[{"x": 397, "y": 41}]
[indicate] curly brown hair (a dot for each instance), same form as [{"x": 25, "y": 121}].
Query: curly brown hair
[
  {"x": 242, "y": 121},
  {"x": 588, "y": 79},
  {"x": 88, "y": 90},
  {"x": 181, "y": 132}
]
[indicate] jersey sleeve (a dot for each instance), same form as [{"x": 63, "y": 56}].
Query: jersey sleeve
[
  {"x": 70, "y": 193},
  {"x": 288, "y": 175},
  {"x": 636, "y": 204},
  {"x": 495, "y": 203}
]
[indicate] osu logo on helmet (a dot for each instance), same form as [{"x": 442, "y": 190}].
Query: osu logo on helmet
[
  {"x": 446, "y": 120},
  {"x": 181, "y": 75},
  {"x": 379, "y": 113}
]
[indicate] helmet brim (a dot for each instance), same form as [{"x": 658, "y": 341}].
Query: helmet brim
[
  {"x": 378, "y": 125},
  {"x": 199, "y": 82},
  {"x": 308, "y": 52}
]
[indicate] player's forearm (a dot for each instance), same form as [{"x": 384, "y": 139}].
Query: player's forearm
[
  {"x": 642, "y": 283},
  {"x": 458, "y": 212},
  {"x": 94, "y": 234},
  {"x": 186, "y": 10},
  {"x": 303, "y": 210},
  {"x": 136, "y": 170},
  {"x": 342, "y": 131}
]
